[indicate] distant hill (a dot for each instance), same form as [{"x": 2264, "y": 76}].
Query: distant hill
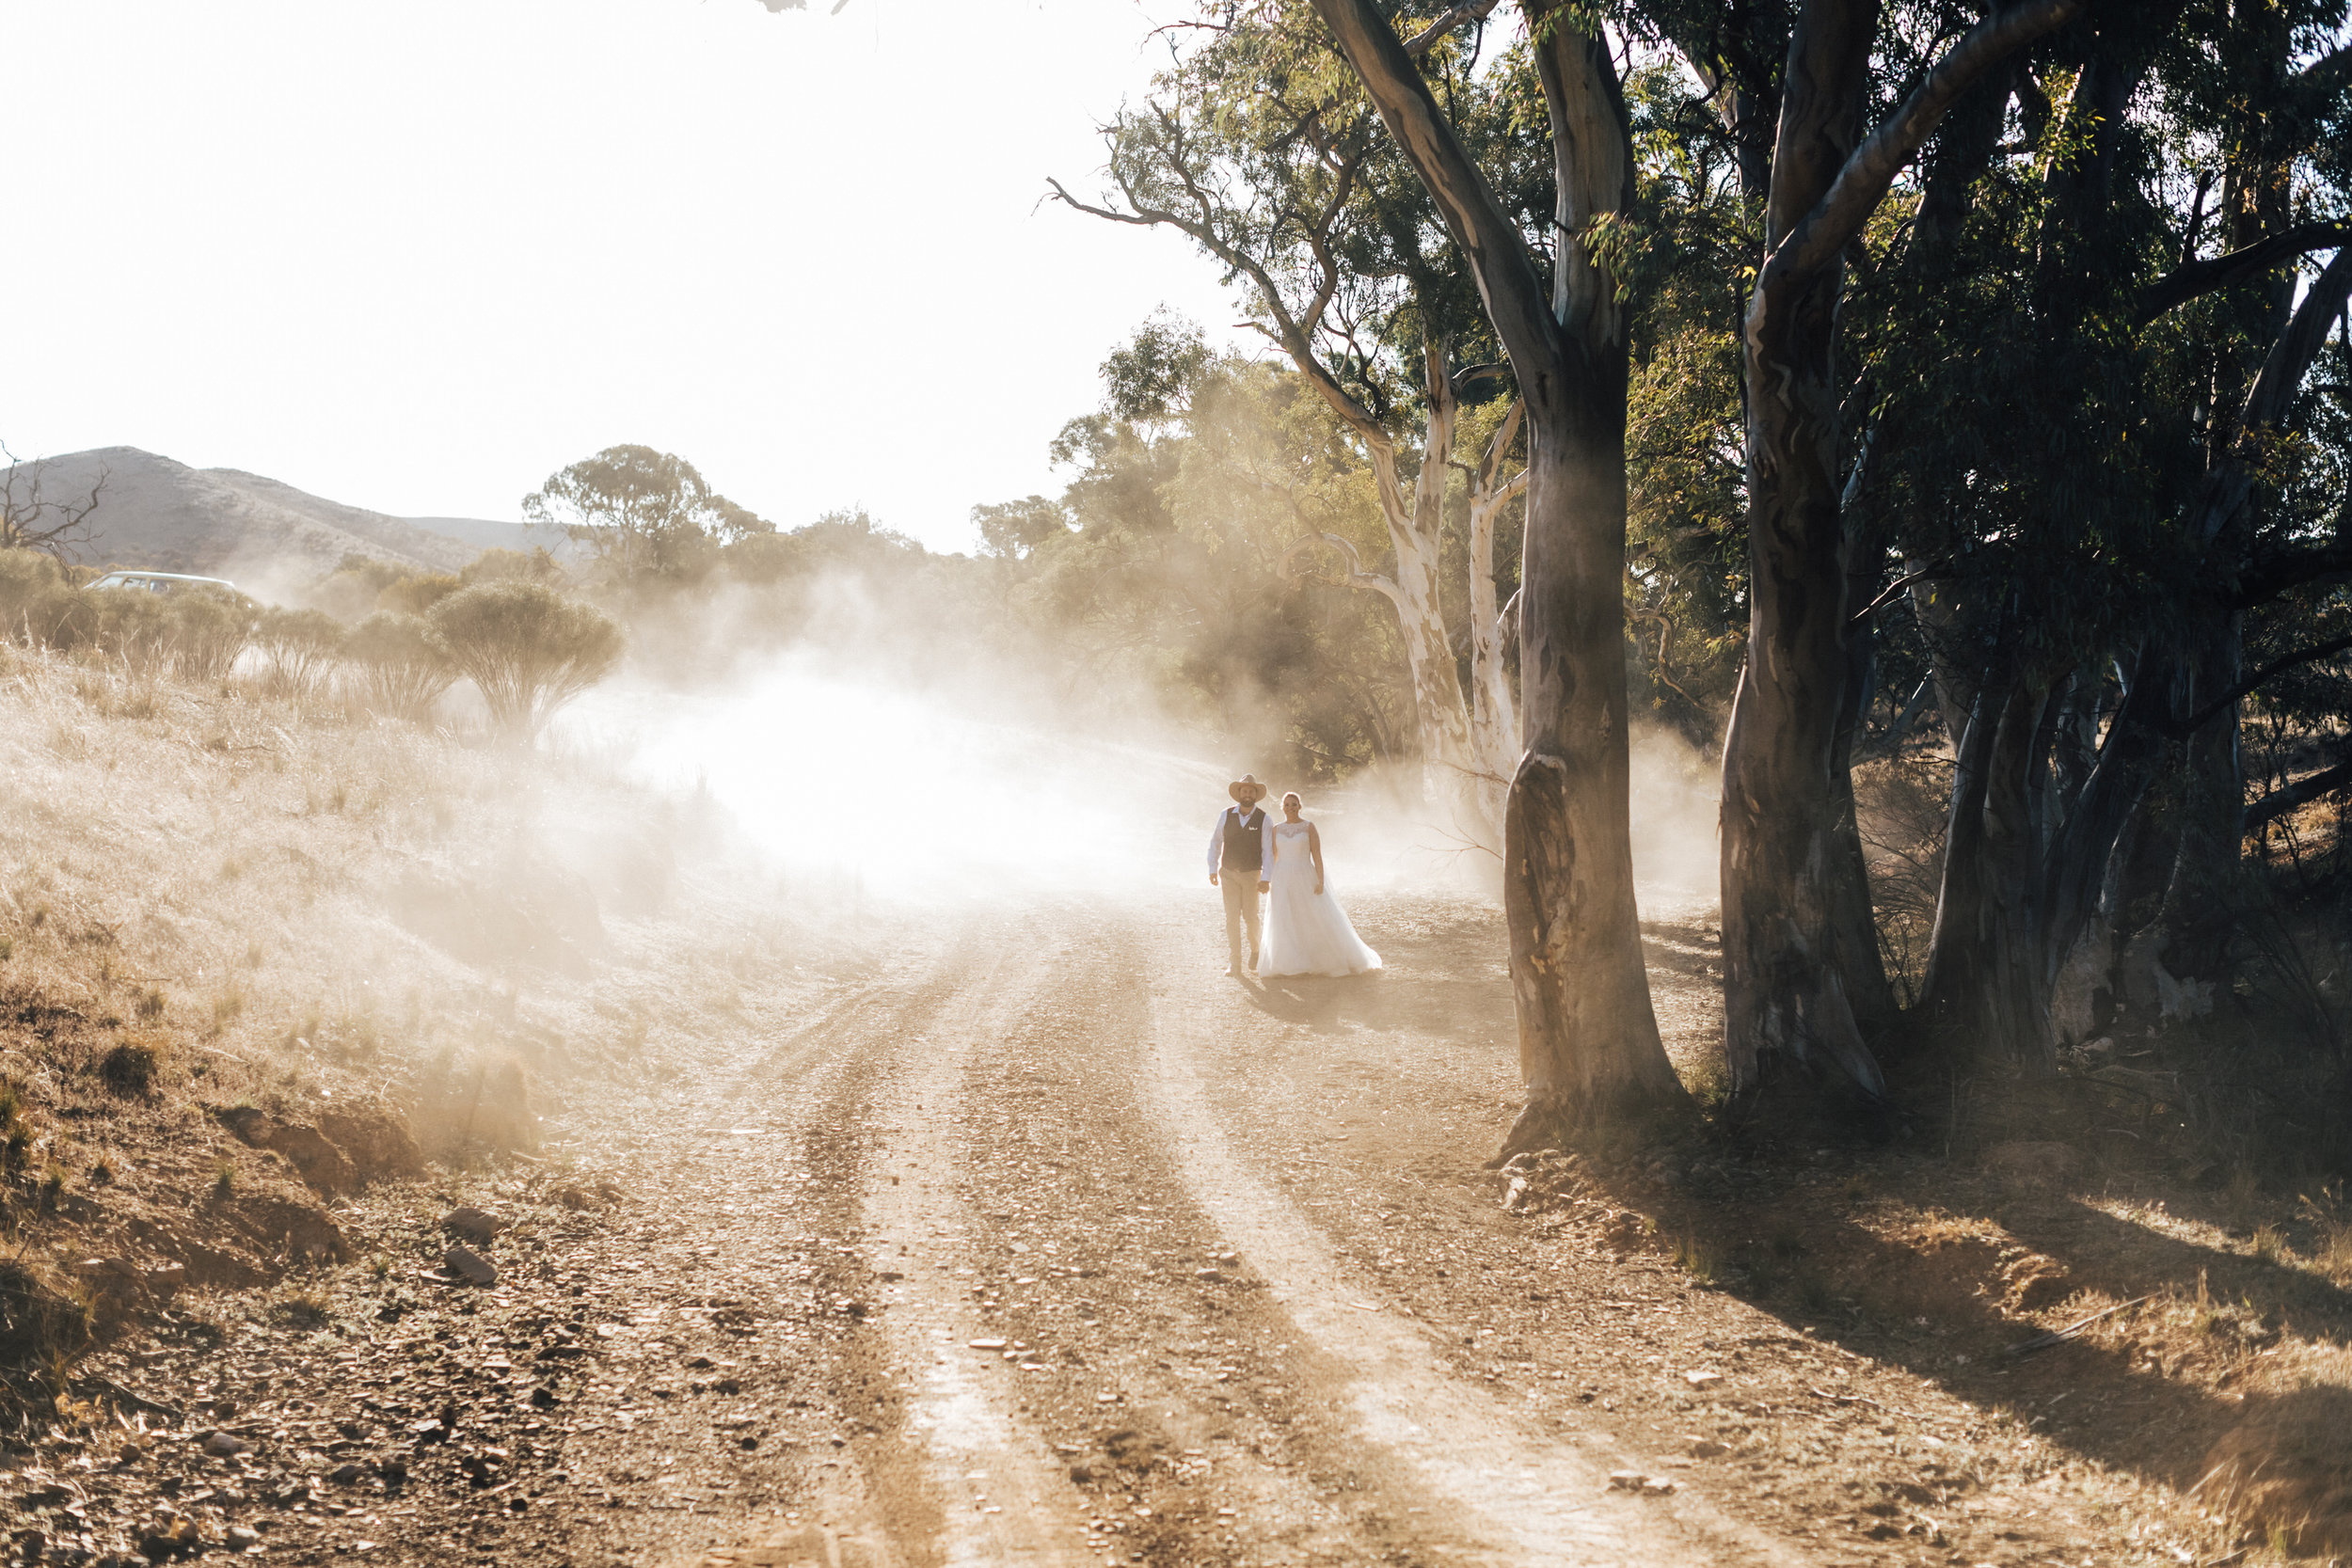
[
  {"x": 221, "y": 522},
  {"x": 483, "y": 533}
]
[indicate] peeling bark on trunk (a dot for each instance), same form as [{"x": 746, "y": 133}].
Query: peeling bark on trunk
[
  {"x": 1785, "y": 866},
  {"x": 1451, "y": 759},
  {"x": 1454, "y": 766},
  {"x": 1589, "y": 1048}
]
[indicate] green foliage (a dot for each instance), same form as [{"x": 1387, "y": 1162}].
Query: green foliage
[
  {"x": 1162, "y": 563},
  {"x": 1011, "y": 529},
  {"x": 1152, "y": 376},
  {"x": 528, "y": 648},
  {"x": 838, "y": 543}
]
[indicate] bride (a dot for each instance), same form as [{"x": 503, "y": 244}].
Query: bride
[{"x": 1307, "y": 931}]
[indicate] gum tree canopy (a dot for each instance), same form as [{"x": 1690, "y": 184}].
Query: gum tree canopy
[
  {"x": 1257, "y": 145},
  {"x": 644, "y": 511}
]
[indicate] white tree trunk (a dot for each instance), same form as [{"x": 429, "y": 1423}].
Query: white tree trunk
[
  {"x": 1456, "y": 767},
  {"x": 1494, "y": 712}
]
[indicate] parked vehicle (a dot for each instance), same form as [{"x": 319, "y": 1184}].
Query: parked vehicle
[{"x": 161, "y": 582}]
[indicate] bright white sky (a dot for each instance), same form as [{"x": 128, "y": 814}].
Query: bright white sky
[{"x": 416, "y": 256}]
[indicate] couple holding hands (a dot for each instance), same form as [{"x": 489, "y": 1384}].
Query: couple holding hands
[{"x": 1250, "y": 854}]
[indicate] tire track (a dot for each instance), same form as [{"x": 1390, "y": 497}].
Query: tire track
[
  {"x": 1515, "y": 1495},
  {"x": 1198, "y": 1423},
  {"x": 973, "y": 1479}
]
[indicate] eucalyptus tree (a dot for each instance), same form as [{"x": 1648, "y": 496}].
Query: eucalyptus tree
[
  {"x": 1161, "y": 561},
  {"x": 647, "y": 513},
  {"x": 1589, "y": 1046},
  {"x": 2090, "y": 582},
  {"x": 1255, "y": 146},
  {"x": 1797, "y": 916}
]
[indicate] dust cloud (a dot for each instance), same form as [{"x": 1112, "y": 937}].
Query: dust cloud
[
  {"x": 906, "y": 793},
  {"x": 1676, "y": 864},
  {"x": 851, "y": 770}
]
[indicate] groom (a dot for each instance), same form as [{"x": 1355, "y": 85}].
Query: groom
[{"x": 1237, "y": 859}]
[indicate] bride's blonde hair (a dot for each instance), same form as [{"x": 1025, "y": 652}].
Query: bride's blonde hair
[{"x": 1290, "y": 796}]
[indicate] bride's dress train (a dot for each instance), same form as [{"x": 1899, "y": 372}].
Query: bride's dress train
[{"x": 1307, "y": 932}]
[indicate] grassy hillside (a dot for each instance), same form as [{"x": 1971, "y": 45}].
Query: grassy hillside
[
  {"x": 165, "y": 515},
  {"x": 256, "y": 954}
]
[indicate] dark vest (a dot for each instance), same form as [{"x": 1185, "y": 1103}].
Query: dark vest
[{"x": 1244, "y": 849}]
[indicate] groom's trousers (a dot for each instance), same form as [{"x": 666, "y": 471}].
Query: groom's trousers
[{"x": 1242, "y": 907}]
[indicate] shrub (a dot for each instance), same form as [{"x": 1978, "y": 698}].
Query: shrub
[
  {"x": 394, "y": 667},
  {"x": 529, "y": 648},
  {"x": 129, "y": 1069},
  {"x": 210, "y": 628},
  {"x": 299, "y": 646},
  {"x": 133, "y": 627},
  {"x": 497, "y": 565},
  {"x": 416, "y": 595},
  {"x": 39, "y": 605}
]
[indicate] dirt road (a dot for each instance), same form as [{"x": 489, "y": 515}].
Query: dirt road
[
  {"x": 1043, "y": 1242},
  {"x": 1047, "y": 1173}
]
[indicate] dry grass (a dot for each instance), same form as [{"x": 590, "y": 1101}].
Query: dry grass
[
  {"x": 212, "y": 897},
  {"x": 211, "y": 879},
  {"x": 2330, "y": 1217}
]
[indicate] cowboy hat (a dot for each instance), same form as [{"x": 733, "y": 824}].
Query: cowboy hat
[{"x": 1248, "y": 783}]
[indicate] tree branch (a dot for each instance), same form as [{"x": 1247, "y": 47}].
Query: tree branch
[
  {"x": 1286, "y": 331},
  {"x": 1428, "y": 37},
  {"x": 2192, "y": 278},
  {"x": 2272, "y": 575},
  {"x": 29, "y": 520},
  {"x": 1497, "y": 449},
  {"x": 2290, "y": 356},
  {"x": 2295, "y": 796},
  {"x": 1357, "y": 576},
  {"x": 1507, "y": 276},
  {"x": 1863, "y": 181},
  {"x": 2181, "y": 729},
  {"x": 1900, "y": 585}
]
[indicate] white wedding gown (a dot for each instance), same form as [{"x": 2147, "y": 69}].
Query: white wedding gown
[{"x": 1307, "y": 932}]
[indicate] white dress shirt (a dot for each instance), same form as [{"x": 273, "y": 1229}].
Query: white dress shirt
[{"x": 1216, "y": 840}]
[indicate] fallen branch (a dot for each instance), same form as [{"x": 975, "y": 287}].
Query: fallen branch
[{"x": 2044, "y": 1341}]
